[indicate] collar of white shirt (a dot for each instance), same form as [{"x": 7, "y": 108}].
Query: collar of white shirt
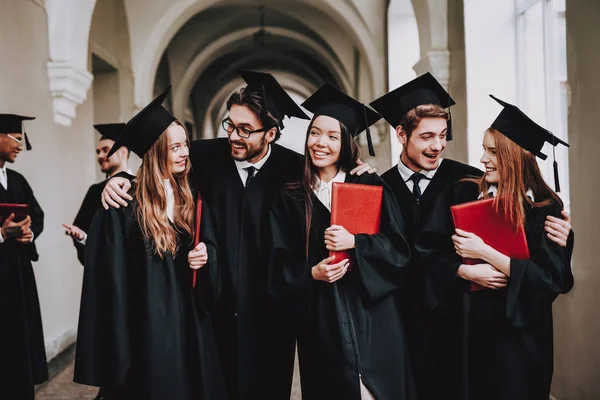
[
  {"x": 406, "y": 172},
  {"x": 324, "y": 190},
  {"x": 493, "y": 190},
  {"x": 245, "y": 164}
]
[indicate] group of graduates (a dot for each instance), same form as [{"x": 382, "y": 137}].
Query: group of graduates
[{"x": 182, "y": 301}]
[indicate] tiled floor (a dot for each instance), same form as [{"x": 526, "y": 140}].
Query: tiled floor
[{"x": 63, "y": 388}]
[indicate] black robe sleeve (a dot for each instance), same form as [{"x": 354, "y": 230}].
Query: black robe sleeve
[
  {"x": 103, "y": 352},
  {"x": 538, "y": 281},
  {"x": 208, "y": 282},
  {"x": 84, "y": 218},
  {"x": 37, "y": 220},
  {"x": 383, "y": 258}
]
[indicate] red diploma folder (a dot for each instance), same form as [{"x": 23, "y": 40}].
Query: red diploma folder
[
  {"x": 197, "y": 234},
  {"x": 20, "y": 210},
  {"x": 357, "y": 208},
  {"x": 480, "y": 217}
]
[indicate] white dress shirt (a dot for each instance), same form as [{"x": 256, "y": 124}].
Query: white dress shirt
[
  {"x": 493, "y": 190},
  {"x": 170, "y": 200},
  {"x": 324, "y": 190},
  {"x": 242, "y": 165},
  {"x": 406, "y": 173}
]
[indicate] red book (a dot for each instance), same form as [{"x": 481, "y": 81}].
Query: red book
[
  {"x": 480, "y": 217},
  {"x": 20, "y": 210},
  {"x": 357, "y": 208},
  {"x": 197, "y": 233}
]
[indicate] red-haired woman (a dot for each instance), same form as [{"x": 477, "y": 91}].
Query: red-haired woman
[{"x": 506, "y": 329}]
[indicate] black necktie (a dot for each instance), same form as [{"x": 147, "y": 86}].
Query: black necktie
[
  {"x": 251, "y": 171},
  {"x": 416, "y": 178}
]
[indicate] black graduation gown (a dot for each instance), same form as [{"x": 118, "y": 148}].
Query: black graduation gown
[
  {"x": 432, "y": 349},
  {"x": 144, "y": 333},
  {"x": 351, "y": 328},
  {"x": 23, "y": 352},
  {"x": 256, "y": 349},
  {"x": 90, "y": 205},
  {"x": 506, "y": 335}
]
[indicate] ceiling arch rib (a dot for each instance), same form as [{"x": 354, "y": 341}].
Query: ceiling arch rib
[
  {"x": 174, "y": 18},
  {"x": 238, "y": 39}
]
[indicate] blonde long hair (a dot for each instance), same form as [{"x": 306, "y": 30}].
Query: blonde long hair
[{"x": 151, "y": 199}]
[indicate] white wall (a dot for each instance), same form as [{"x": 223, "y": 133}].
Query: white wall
[{"x": 490, "y": 43}]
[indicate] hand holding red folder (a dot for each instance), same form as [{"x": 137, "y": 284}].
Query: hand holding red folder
[
  {"x": 481, "y": 218},
  {"x": 357, "y": 208},
  {"x": 197, "y": 233}
]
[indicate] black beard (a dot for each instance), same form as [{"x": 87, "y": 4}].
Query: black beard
[{"x": 252, "y": 152}]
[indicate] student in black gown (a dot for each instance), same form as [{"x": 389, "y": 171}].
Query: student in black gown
[
  {"x": 23, "y": 352},
  {"x": 144, "y": 332},
  {"x": 256, "y": 349},
  {"x": 351, "y": 344},
  {"x": 416, "y": 111},
  {"x": 506, "y": 345},
  {"x": 91, "y": 202}
]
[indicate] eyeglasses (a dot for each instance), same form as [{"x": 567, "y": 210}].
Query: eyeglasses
[
  {"x": 14, "y": 138},
  {"x": 243, "y": 132}
]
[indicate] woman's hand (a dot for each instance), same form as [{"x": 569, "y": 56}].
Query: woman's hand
[
  {"x": 74, "y": 231},
  {"x": 484, "y": 275},
  {"x": 198, "y": 257},
  {"x": 469, "y": 245},
  {"x": 115, "y": 193},
  {"x": 558, "y": 229},
  {"x": 337, "y": 238},
  {"x": 330, "y": 273}
]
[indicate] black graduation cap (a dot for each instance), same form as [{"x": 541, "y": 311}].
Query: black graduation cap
[
  {"x": 422, "y": 90},
  {"x": 13, "y": 123},
  {"x": 140, "y": 133},
  {"x": 275, "y": 98},
  {"x": 518, "y": 127},
  {"x": 109, "y": 131},
  {"x": 353, "y": 114}
]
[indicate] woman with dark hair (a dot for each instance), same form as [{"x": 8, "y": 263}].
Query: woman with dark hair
[
  {"x": 507, "y": 346},
  {"x": 144, "y": 332},
  {"x": 351, "y": 341}
]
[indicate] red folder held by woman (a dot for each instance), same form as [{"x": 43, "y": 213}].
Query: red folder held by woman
[
  {"x": 481, "y": 218},
  {"x": 197, "y": 233},
  {"x": 357, "y": 208}
]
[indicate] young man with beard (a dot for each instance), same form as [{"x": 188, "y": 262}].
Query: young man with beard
[
  {"x": 21, "y": 336},
  {"x": 240, "y": 176},
  {"x": 423, "y": 127},
  {"x": 91, "y": 202}
]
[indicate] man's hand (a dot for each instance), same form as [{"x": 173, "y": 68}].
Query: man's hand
[
  {"x": 15, "y": 229},
  {"x": 74, "y": 231},
  {"x": 558, "y": 229},
  {"x": 330, "y": 273},
  {"x": 361, "y": 168},
  {"x": 198, "y": 257},
  {"x": 337, "y": 238},
  {"x": 484, "y": 275},
  {"x": 115, "y": 193}
]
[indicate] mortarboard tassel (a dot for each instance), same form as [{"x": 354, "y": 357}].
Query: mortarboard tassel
[
  {"x": 369, "y": 139},
  {"x": 27, "y": 144},
  {"x": 449, "y": 122}
]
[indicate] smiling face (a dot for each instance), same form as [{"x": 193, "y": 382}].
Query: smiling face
[
  {"x": 256, "y": 146},
  {"x": 489, "y": 159},
  {"x": 177, "y": 148},
  {"x": 324, "y": 142},
  {"x": 423, "y": 149},
  {"x": 10, "y": 146}
]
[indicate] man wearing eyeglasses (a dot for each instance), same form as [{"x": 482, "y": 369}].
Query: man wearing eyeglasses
[
  {"x": 240, "y": 176},
  {"x": 21, "y": 336}
]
